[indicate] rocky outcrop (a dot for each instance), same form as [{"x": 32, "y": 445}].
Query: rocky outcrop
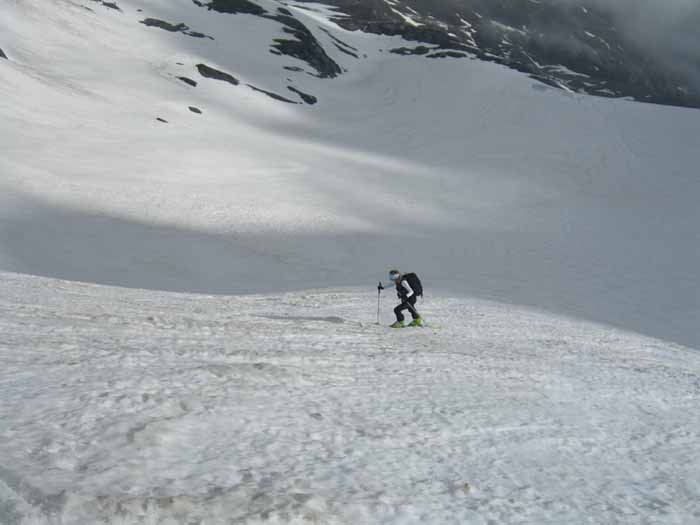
[
  {"x": 563, "y": 44},
  {"x": 309, "y": 99},
  {"x": 110, "y": 5},
  {"x": 272, "y": 95},
  {"x": 232, "y": 7},
  {"x": 302, "y": 44},
  {"x": 173, "y": 28},
  {"x": 210, "y": 72},
  {"x": 188, "y": 81}
]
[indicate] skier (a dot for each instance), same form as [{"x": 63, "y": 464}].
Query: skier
[{"x": 408, "y": 288}]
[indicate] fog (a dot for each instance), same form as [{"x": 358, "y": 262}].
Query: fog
[{"x": 666, "y": 30}]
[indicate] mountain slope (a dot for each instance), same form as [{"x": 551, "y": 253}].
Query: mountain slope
[
  {"x": 265, "y": 148},
  {"x": 167, "y": 408},
  {"x": 586, "y": 47},
  {"x": 484, "y": 181}
]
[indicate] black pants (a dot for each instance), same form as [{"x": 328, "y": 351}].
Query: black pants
[{"x": 407, "y": 304}]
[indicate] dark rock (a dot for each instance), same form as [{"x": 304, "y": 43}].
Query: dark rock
[
  {"x": 162, "y": 120},
  {"x": 196, "y": 34},
  {"x": 272, "y": 95},
  {"x": 233, "y": 7},
  {"x": 559, "y": 43},
  {"x": 110, "y": 5},
  {"x": 346, "y": 51},
  {"x": 210, "y": 72},
  {"x": 304, "y": 46},
  {"x": 188, "y": 81},
  {"x": 195, "y": 110},
  {"x": 173, "y": 28},
  {"x": 448, "y": 54},
  {"x": 420, "y": 50},
  {"x": 338, "y": 40},
  {"x": 309, "y": 99},
  {"x": 294, "y": 68},
  {"x": 3, "y": 55}
]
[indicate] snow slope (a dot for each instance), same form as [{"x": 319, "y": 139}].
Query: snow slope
[
  {"x": 486, "y": 182},
  {"x": 132, "y": 406},
  {"x": 288, "y": 405}
]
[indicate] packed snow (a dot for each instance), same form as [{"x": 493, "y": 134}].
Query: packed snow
[
  {"x": 133, "y": 406},
  {"x": 188, "y": 308}
]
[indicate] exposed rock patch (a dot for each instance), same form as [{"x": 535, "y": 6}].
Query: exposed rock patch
[
  {"x": 195, "y": 110},
  {"x": 303, "y": 46},
  {"x": 232, "y": 7},
  {"x": 3, "y": 55},
  {"x": 272, "y": 95},
  {"x": 309, "y": 99},
  {"x": 162, "y": 120},
  {"x": 340, "y": 45},
  {"x": 562, "y": 44},
  {"x": 343, "y": 50},
  {"x": 448, "y": 54},
  {"x": 110, "y": 5},
  {"x": 173, "y": 28},
  {"x": 210, "y": 72},
  {"x": 420, "y": 50},
  {"x": 188, "y": 81}
]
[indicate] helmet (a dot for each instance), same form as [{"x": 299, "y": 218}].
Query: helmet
[{"x": 394, "y": 275}]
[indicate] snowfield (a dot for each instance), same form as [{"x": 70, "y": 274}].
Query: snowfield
[
  {"x": 187, "y": 305},
  {"x": 133, "y": 406}
]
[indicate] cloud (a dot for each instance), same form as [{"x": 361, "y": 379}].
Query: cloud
[{"x": 667, "y": 31}]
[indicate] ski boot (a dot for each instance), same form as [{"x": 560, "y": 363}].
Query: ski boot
[
  {"x": 416, "y": 322},
  {"x": 397, "y": 324}
]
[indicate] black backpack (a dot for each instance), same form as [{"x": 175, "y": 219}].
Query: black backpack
[{"x": 414, "y": 283}]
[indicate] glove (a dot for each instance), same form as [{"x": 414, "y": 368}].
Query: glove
[{"x": 380, "y": 286}]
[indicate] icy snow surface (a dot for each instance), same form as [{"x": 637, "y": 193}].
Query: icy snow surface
[
  {"x": 130, "y": 406},
  {"x": 487, "y": 183}
]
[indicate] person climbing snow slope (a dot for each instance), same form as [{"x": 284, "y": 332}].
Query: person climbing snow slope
[{"x": 408, "y": 288}]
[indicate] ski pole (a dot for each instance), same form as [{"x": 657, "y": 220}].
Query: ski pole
[{"x": 379, "y": 295}]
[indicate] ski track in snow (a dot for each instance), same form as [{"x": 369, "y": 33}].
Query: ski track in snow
[{"x": 131, "y": 406}]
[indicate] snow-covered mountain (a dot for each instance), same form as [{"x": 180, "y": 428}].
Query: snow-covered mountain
[
  {"x": 296, "y": 151},
  {"x": 584, "y": 47},
  {"x": 192, "y": 147}
]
